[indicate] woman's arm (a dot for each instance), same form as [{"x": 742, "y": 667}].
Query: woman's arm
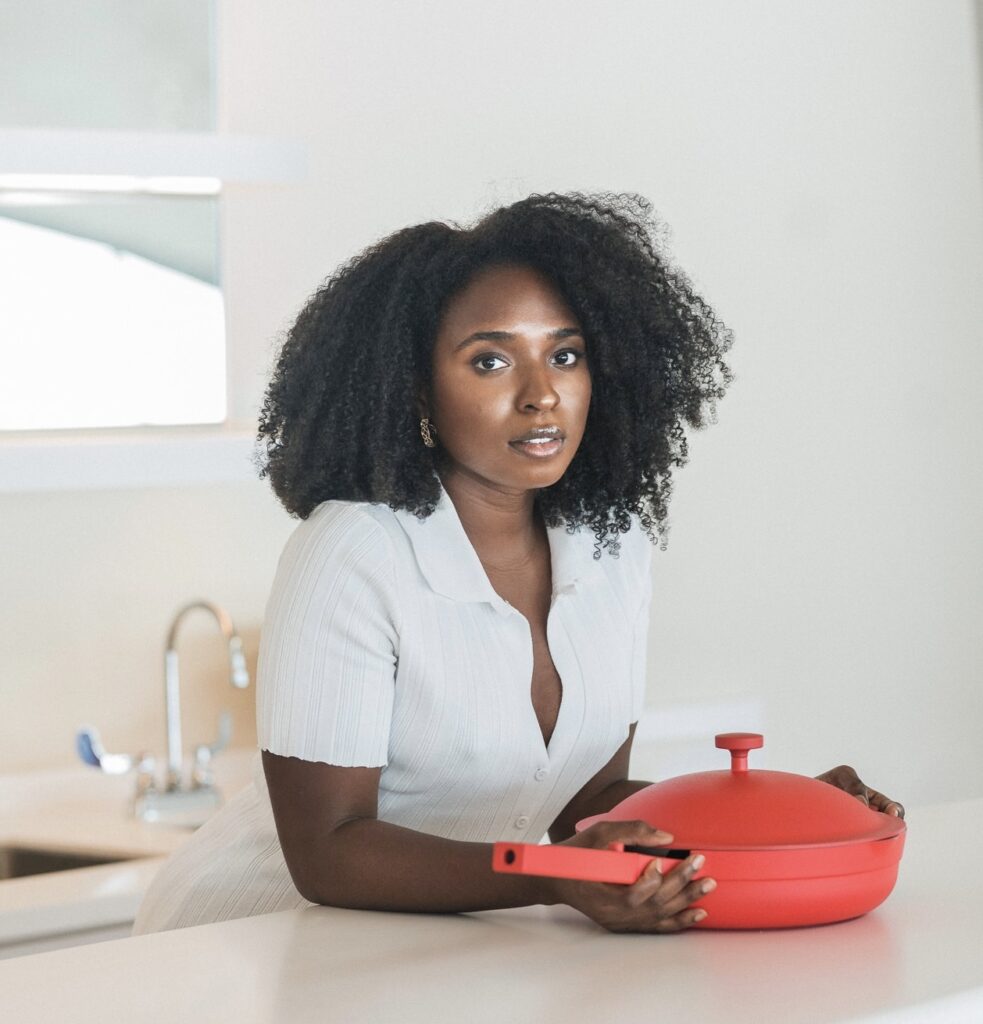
[{"x": 340, "y": 854}]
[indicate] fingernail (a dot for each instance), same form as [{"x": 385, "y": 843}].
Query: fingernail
[
  {"x": 698, "y": 861},
  {"x": 708, "y": 886},
  {"x": 700, "y": 915}
]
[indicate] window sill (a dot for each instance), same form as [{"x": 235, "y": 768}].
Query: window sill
[
  {"x": 83, "y": 460},
  {"x": 231, "y": 158}
]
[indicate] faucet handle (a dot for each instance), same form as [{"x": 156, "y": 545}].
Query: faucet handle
[
  {"x": 91, "y": 751},
  {"x": 206, "y": 751},
  {"x": 202, "y": 774}
]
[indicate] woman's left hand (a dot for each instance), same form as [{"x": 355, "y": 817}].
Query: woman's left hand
[{"x": 845, "y": 778}]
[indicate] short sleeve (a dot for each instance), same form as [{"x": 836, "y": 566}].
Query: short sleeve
[
  {"x": 640, "y": 633},
  {"x": 327, "y": 663}
]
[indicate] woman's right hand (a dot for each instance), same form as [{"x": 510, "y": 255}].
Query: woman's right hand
[{"x": 653, "y": 903}]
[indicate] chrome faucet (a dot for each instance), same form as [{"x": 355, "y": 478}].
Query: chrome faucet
[
  {"x": 238, "y": 676},
  {"x": 176, "y": 801}
]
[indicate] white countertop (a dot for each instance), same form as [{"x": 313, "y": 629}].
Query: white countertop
[
  {"x": 83, "y": 811},
  {"x": 915, "y": 959}
]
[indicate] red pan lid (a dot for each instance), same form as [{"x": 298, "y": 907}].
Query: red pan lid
[{"x": 743, "y": 809}]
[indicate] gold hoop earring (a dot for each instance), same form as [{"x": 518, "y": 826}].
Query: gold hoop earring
[{"x": 427, "y": 431}]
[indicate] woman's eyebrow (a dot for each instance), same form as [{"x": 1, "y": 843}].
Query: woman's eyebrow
[{"x": 560, "y": 332}]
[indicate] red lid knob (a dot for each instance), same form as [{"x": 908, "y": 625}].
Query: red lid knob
[{"x": 739, "y": 743}]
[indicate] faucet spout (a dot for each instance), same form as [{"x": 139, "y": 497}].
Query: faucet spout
[{"x": 238, "y": 677}]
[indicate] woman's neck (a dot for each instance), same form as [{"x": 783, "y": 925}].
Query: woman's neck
[{"x": 503, "y": 527}]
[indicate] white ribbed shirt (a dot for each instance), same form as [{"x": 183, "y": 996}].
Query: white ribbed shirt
[{"x": 385, "y": 644}]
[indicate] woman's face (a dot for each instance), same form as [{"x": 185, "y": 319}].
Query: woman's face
[{"x": 509, "y": 357}]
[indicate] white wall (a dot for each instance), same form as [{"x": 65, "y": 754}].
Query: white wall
[{"x": 819, "y": 167}]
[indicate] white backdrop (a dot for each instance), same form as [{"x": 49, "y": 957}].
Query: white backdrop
[{"x": 819, "y": 168}]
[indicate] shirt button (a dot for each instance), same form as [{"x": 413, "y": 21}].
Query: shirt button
[
  {"x": 522, "y": 821},
  {"x": 541, "y": 774}
]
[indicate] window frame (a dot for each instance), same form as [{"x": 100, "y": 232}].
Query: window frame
[{"x": 151, "y": 456}]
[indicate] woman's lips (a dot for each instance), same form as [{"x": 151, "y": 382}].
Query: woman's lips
[{"x": 538, "y": 449}]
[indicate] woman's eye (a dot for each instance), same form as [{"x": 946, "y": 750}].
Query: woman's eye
[
  {"x": 482, "y": 363},
  {"x": 486, "y": 363}
]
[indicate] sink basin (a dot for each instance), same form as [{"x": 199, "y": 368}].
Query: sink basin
[{"x": 20, "y": 861}]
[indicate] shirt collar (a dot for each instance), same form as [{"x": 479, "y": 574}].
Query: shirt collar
[{"x": 451, "y": 566}]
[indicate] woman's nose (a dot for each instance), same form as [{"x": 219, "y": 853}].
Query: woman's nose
[{"x": 538, "y": 391}]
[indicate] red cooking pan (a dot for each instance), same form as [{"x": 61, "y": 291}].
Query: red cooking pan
[{"x": 786, "y": 850}]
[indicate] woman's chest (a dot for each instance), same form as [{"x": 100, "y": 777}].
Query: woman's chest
[
  {"x": 530, "y": 595},
  {"x": 480, "y": 681}
]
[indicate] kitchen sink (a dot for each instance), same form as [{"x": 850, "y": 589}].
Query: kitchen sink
[{"x": 20, "y": 861}]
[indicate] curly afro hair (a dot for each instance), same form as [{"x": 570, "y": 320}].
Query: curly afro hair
[{"x": 339, "y": 419}]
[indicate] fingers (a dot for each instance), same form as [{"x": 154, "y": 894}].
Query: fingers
[
  {"x": 656, "y": 901},
  {"x": 652, "y": 880},
  {"x": 679, "y": 880},
  {"x": 673, "y": 891},
  {"x": 845, "y": 778},
  {"x": 693, "y": 892},
  {"x": 630, "y": 833},
  {"x": 879, "y": 802},
  {"x": 679, "y": 914},
  {"x": 690, "y": 917},
  {"x": 872, "y": 799}
]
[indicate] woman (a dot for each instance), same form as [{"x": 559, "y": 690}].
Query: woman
[{"x": 478, "y": 429}]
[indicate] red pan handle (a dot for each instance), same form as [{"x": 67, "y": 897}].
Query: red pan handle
[{"x": 583, "y": 863}]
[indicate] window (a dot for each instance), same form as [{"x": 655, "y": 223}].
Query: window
[
  {"x": 96, "y": 335},
  {"x": 113, "y": 363},
  {"x": 110, "y": 303}
]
